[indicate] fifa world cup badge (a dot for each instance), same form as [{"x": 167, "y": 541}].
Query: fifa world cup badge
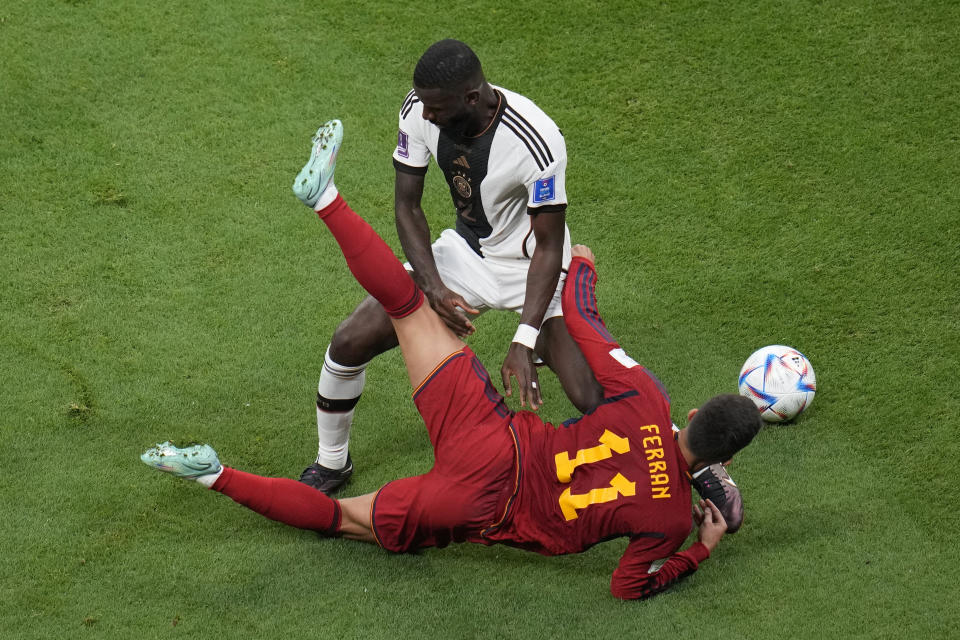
[{"x": 543, "y": 190}]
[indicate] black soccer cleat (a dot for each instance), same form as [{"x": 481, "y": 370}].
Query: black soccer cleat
[
  {"x": 715, "y": 484},
  {"x": 325, "y": 479}
]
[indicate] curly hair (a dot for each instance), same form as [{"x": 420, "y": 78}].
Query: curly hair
[
  {"x": 447, "y": 64},
  {"x": 722, "y": 426}
]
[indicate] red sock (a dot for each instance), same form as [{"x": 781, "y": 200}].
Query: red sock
[
  {"x": 371, "y": 261},
  {"x": 282, "y": 499}
]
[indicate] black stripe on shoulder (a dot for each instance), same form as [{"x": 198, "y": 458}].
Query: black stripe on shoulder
[
  {"x": 408, "y": 103},
  {"x": 406, "y": 99},
  {"x": 531, "y": 138},
  {"x": 406, "y": 111},
  {"x": 529, "y": 127},
  {"x": 537, "y": 155}
]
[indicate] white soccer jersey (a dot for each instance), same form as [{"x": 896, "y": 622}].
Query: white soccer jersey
[{"x": 518, "y": 162}]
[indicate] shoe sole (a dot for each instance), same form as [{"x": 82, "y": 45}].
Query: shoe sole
[{"x": 315, "y": 178}]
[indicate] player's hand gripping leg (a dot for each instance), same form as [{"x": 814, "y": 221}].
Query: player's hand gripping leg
[
  {"x": 425, "y": 341},
  {"x": 452, "y": 309}
]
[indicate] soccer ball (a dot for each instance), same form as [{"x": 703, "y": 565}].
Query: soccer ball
[{"x": 779, "y": 380}]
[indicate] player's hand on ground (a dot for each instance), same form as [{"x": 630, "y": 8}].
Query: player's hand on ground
[
  {"x": 452, "y": 309},
  {"x": 519, "y": 364},
  {"x": 711, "y": 523},
  {"x": 582, "y": 251}
]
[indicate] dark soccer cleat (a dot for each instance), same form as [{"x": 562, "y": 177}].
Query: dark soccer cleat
[
  {"x": 715, "y": 484},
  {"x": 324, "y": 479}
]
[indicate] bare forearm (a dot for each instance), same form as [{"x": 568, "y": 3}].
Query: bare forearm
[
  {"x": 549, "y": 230},
  {"x": 413, "y": 229},
  {"x": 542, "y": 275},
  {"x": 542, "y": 278},
  {"x": 414, "y": 235}
]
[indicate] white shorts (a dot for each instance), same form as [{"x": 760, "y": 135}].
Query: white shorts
[{"x": 486, "y": 283}]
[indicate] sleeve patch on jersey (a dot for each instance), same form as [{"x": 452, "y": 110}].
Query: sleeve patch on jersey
[
  {"x": 656, "y": 565},
  {"x": 621, "y": 356},
  {"x": 403, "y": 144},
  {"x": 544, "y": 190}
]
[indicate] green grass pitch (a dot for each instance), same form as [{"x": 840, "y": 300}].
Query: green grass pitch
[{"x": 747, "y": 173}]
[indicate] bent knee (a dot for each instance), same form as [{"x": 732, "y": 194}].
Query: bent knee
[
  {"x": 363, "y": 335},
  {"x": 586, "y": 395}
]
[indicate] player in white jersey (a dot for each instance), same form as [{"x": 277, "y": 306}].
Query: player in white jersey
[
  {"x": 504, "y": 161},
  {"x": 520, "y": 152}
]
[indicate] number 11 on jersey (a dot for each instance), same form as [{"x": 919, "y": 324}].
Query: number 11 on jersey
[
  {"x": 570, "y": 503},
  {"x": 609, "y": 443}
]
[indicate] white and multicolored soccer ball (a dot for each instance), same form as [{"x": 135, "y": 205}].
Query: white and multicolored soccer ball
[{"x": 779, "y": 380}]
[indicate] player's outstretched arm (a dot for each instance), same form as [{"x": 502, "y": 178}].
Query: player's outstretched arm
[
  {"x": 637, "y": 579},
  {"x": 582, "y": 317},
  {"x": 549, "y": 228},
  {"x": 414, "y": 235}
]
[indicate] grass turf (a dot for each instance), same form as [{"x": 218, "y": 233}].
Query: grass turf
[{"x": 783, "y": 172}]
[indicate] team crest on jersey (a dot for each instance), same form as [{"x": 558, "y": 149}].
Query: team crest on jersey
[
  {"x": 462, "y": 185},
  {"x": 403, "y": 142},
  {"x": 543, "y": 190}
]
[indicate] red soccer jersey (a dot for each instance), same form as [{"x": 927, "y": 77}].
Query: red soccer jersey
[{"x": 616, "y": 471}]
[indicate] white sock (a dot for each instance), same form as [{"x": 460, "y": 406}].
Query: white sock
[
  {"x": 342, "y": 387},
  {"x": 209, "y": 479},
  {"x": 327, "y": 197}
]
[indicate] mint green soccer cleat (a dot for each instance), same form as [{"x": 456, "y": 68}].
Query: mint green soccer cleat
[
  {"x": 318, "y": 172},
  {"x": 189, "y": 462}
]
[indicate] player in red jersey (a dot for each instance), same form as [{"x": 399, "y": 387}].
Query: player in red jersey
[{"x": 501, "y": 476}]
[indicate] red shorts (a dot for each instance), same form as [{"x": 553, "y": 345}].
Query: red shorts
[{"x": 474, "y": 475}]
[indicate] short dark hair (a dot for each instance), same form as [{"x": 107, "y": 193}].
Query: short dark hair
[
  {"x": 721, "y": 427},
  {"x": 448, "y": 64}
]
